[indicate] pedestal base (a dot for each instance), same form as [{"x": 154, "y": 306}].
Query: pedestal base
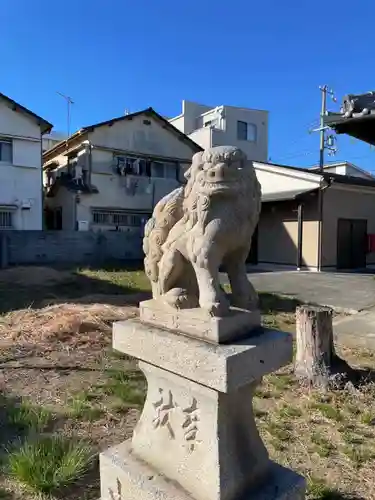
[
  {"x": 124, "y": 476},
  {"x": 198, "y": 323}
]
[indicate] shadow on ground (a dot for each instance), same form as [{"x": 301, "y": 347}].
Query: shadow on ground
[
  {"x": 21, "y": 288},
  {"x": 271, "y": 303},
  {"x": 334, "y": 495}
]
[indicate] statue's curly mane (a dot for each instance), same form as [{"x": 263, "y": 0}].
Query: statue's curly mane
[{"x": 167, "y": 212}]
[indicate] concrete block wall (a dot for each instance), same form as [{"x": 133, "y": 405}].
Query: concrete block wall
[{"x": 59, "y": 247}]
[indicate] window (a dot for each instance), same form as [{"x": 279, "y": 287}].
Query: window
[
  {"x": 6, "y": 219},
  {"x": 157, "y": 169},
  {"x": 116, "y": 218},
  {"x": 134, "y": 220},
  {"x": 246, "y": 131},
  {"x": 212, "y": 123},
  {"x": 170, "y": 171},
  {"x": 100, "y": 218},
  {"x": 6, "y": 150},
  {"x": 133, "y": 166}
]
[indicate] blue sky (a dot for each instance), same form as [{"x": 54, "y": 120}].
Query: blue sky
[{"x": 119, "y": 54}]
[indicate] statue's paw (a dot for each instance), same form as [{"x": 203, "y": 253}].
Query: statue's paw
[
  {"x": 180, "y": 299},
  {"x": 217, "y": 309}
]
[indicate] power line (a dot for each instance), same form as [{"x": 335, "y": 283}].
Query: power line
[
  {"x": 305, "y": 152},
  {"x": 298, "y": 139}
]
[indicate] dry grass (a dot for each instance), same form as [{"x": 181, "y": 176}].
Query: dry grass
[
  {"x": 73, "y": 323},
  {"x": 328, "y": 437}
]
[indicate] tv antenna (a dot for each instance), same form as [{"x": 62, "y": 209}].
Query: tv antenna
[{"x": 69, "y": 102}]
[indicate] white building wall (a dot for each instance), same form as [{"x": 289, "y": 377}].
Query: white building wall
[
  {"x": 22, "y": 186},
  {"x": 16, "y": 123},
  {"x": 21, "y": 179},
  {"x": 258, "y": 150},
  {"x": 203, "y": 137},
  {"x": 178, "y": 122},
  {"x": 192, "y": 120},
  {"x": 191, "y": 111}
]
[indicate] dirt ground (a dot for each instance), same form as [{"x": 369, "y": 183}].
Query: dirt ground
[{"x": 55, "y": 351}]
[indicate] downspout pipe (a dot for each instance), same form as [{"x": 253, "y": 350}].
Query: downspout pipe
[{"x": 300, "y": 236}]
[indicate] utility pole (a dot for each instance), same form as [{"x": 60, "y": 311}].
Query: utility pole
[
  {"x": 323, "y": 145},
  {"x": 69, "y": 102},
  {"x": 322, "y": 129}
]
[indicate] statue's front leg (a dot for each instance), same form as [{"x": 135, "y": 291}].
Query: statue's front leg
[
  {"x": 211, "y": 296},
  {"x": 243, "y": 292}
]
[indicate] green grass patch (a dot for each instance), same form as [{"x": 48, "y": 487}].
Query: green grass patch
[
  {"x": 279, "y": 430},
  {"x": 368, "y": 418},
  {"x": 323, "y": 447},
  {"x": 358, "y": 454},
  {"x": 277, "y": 444},
  {"x": 328, "y": 411},
  {"x": 25, "y": 416},
  {"x": 318, "y": 490},
  {"x": 128, "y": 280},
  {"x": 50, "y": 463},
  {"x": 281, "y": 382},
  {"x": 80, "y": 407},
  {"x": 128, "y": 386},
  {"x": 260, "y": 413},
  {"x": 351, "y": 438},
  {"x": 290, "y": 412}
]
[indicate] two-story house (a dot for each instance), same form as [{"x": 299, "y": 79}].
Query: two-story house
[
  {"x": 244, "y": 128},
  {"x": 50, "y": 140},
  {"x": 110, "y": 175},
  {"x": 21, "y": 189}
]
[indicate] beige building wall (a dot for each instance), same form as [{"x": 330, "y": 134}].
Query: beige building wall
[
  {"x": 278, "y": 234},
  {"x": 142, "y": 134},
  {"x": 346, "y": 202}
]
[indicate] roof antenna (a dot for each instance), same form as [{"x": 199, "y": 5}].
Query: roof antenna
[{"x": 69, "y": 102}]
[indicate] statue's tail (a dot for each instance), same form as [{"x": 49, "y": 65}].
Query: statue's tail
[{"x": 166, "y": 213}]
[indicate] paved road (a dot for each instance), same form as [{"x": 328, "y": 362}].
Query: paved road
[
  {"x": 352, "y": 294},
  {"x": 357, "y": 330},
  {"x": 348, "y": 293}
]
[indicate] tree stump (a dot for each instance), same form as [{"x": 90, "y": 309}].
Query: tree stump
[{"x": 316, "y": 361}]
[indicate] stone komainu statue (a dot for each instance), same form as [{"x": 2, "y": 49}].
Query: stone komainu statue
[{"x": 199, "y": 228}]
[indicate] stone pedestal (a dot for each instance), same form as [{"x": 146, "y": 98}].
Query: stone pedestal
[{"x": 197, "y": 438}]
